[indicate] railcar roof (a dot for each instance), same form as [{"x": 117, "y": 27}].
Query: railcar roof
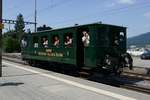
[{"x": 98, "y": 23}]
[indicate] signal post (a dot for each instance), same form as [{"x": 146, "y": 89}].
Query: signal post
[{"x": 1, "y": 27}]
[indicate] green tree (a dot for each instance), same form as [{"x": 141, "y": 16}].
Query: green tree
[
  {"x": 19, "y": 26},
  {"x": 10, "y": 33},
  {"x": 11, "y": 39},
  {"x": 10, "y": 45}
]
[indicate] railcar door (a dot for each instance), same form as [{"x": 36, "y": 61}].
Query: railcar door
[{"x": 80, "y": 49}]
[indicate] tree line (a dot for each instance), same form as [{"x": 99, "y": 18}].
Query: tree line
[{"x": 11, "y": 39}]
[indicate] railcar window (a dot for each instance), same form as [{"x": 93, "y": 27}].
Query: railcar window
[
  {"x": 103, "y": 37},
  {"x": 35, "y": 41},
  {"x": 24, "y": 42},
  {"x": 44, "y": 40},
  {"x": 56, "y": 40},
  {"x": 68, "y": 41}
]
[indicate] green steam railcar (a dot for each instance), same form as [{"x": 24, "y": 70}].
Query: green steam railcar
[{"x": 92, "y": 46}]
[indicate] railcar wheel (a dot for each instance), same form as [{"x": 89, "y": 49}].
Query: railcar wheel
[
  {"x": 128, "y": 61},
  {"x": 30, "y": 62},
  {"x": 111, "y": 64}
]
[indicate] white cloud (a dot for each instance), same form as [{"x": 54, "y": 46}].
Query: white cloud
[
  {"x": 114, "y": 3},
  {"x": 111, "y": 4},
  {"x": 126, "y": 1},
  {"x": 147, "y": 14}
]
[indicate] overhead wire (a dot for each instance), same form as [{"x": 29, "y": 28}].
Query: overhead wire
[
  {"x": 40, "y": 11},
  {"x": 109, "y": 12},
  {"x": 106, "y": 12}
]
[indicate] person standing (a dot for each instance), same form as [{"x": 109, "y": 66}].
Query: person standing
[{"x": 85, "y": 38}]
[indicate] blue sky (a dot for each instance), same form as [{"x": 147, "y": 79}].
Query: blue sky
[{"x": 134, "y": 14}]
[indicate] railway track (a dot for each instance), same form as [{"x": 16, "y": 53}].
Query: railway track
[
  {"x": 136, "y": 75},
  {"x": 136, "y": 88},
  {"x": 127, "y": 74}
]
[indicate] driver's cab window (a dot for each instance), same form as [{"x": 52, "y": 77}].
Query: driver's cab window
[
  {"x": 118, "y": 37},
  {"x": 122, "y": 36}
]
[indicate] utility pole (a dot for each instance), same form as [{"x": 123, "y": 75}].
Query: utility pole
[
  {"x": 35, "y": 15},
  {"x": 1, "y": 38}
]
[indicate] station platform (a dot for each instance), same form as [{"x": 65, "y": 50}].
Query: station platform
[{"x": 22, "y": 82}]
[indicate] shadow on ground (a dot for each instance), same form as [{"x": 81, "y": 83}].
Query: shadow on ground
[{"x": 11, "y": 84}]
